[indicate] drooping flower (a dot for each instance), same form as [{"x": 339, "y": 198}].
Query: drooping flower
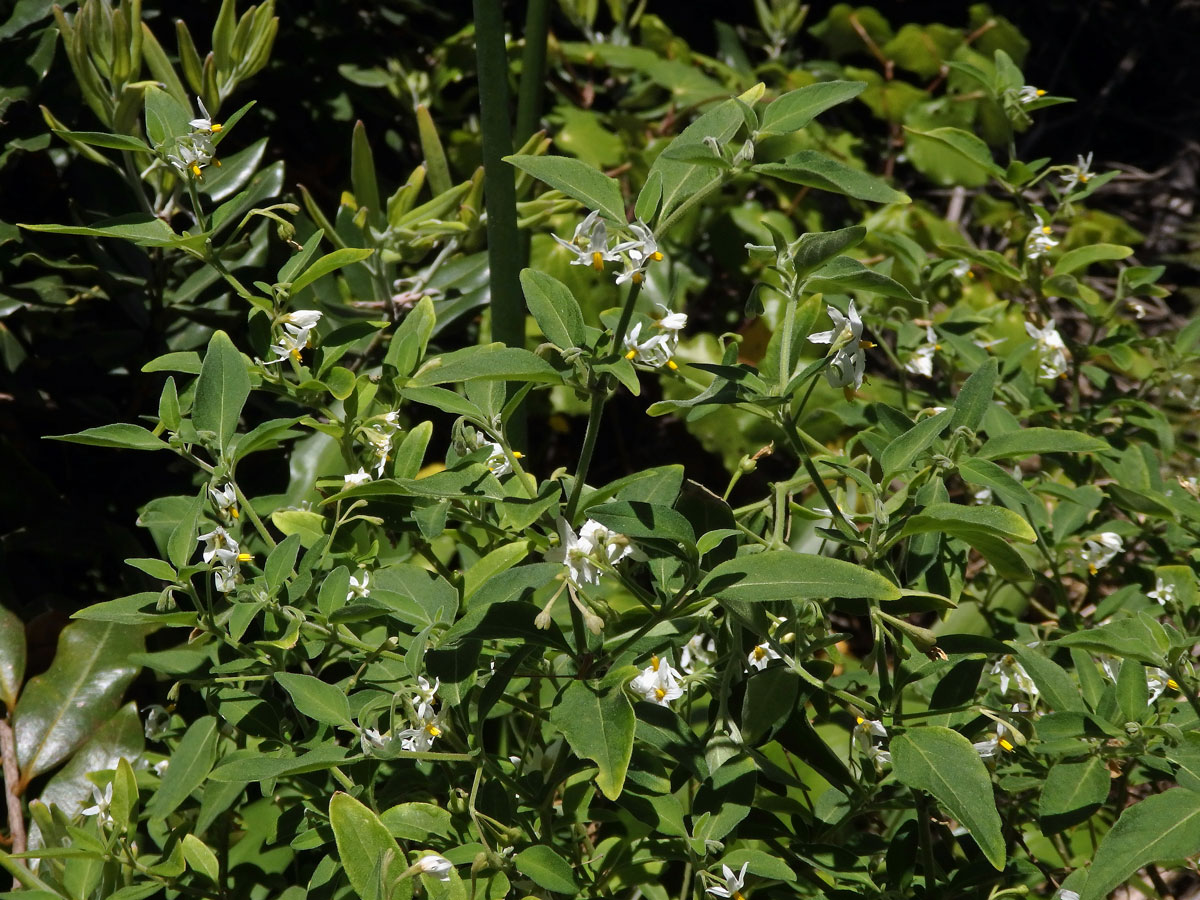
[
  {"x": 497, "y": 460},
  {"x": 192, "y": 154},
  {"x": 1012, "y": 672},
  {"x": 656, "y": 350},
  {"x": 1051, "y": 351},
  {"x": 641, "y": 251},
  {"x": 846, "y": 347},
  {"x": 998, "y": 741},
  {"x": 1099, "y": 551},
  {"x": 700, "y": 650},
  {"x": 362, "y": 476},
  {"x": 761, "y": 655},
  {"x": 868, "y": 736},
  {"x": 435, "y": 865},
  {"x": 360, "y": 586},
  {"x": 420, "y": 739},
  {"x": 587, "y": 553},
  {"x": 607, "y": 545},
  {"x": 922, "y": 359},
  {"x": 217, "y": 539},
  {"x": 102, "y": 802},
  {"x": 589, "y": 244},
  {"x": 732, "y": 888},
  {"x": 302, "y": 318},
  {"x": 290, "y": 344},
  {"x": 225, "y": 498},
  {"x": 658, "y": 682}
]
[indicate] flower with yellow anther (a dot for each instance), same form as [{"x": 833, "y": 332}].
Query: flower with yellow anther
[
  {"x": 589, "y": 244},
  {"x": 846, "y": 348},
  {"x": 1028, "y": 93},
  {"x": 658, "y": 682},
  {"x": 205, "y": 123},
  {"x": 731, "y": 889},
  {"x": 1099, "y": 551},
  {"x": 1078, "y": 173}
]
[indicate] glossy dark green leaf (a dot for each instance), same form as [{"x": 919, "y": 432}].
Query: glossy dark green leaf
[
  {"x": 61, "y": 708},
  {"x": 635, "y": 519},
  {"x": 12, "y": 657},
  {"x": 121, "y": 737},
  {"x": 942, "y": 762}
]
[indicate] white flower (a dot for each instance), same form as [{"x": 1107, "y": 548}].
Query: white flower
[
  {"x": 1164, "y": 593},
  {"x": 293, "y": 340},
  {"x": 998, "y": 741},
  {"x": 607, "y": 546},
  {"x": 225, "y": 498},
  {"x": 962, "y": 269},
  {"x": 671, "y": 322},
  {"x": 103, "y": 801},
  {"x": 421, "y": 739},
  {"x": 1029, "y": 93},
  {"x": 982, "y": 496},
  {"x": 590, "y": 243},
  {"x": 846, "y": 347},
  {"x": 761, "y": 655},
  {"x": 868, "y": 737},
  {"x": 658, "y": 682},
  {"x": 160, "y": 767},
  {"x": 700, "y": 650},
  {"x": 922, "y": 360},
  {"x": 1051, "y": 351},
  {"x": 1066, "y": 895},
  {"x": 217, "y": 539},
  {"x": 1099, "y": 551},
  {"x": 1157, "y": 681},
  {"x": 656, "y": 350},
  {"x": 192, "y": 154},
  {"x": 1011, "y": 672},
  {"x": 205, "y": 122},
  {"x": 1039, "y": 242},
  {"x": 359, "y": 587},
  {"x": 302, "y": 318},
  {"x": 642, "y": 251},
  {"x": 380, "y": 443},
  {"x": 373, "y": 742},
  {"x": 362, "y": 476},
  {"x": 575, "y": 554},
  {"x": 497, "y": 460},
  {"x": 435, "y": 865},
  {"x": 425, "y": 700},
  {"x": 1079, "y": 174},
  {"x": 732, "y": 889}
]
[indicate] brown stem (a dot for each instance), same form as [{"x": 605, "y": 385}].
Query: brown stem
[{"x": 12, "y": 777}]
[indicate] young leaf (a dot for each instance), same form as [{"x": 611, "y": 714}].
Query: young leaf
[
  {"x": 221, "y": 390},
  {"x": 942, "y": 762},
  {"x": 362, "y": 173}
]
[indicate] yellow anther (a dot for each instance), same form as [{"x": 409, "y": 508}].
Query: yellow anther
[
  {"x": 1045, "y": 229},
  {"x": 1084, "y": 178},
  {"x": 671, "y": 365},
  {"x": 295, "y": 354},
  {"x": 759, "y": 653},
  {"x": 517, "y": 454},
  {"x": 865, "y": 345},
  {"x": 1092, "y": 568},
  {"x": 631, "y": 354},
  {"x": 196, "y": 171},
  {"x": 244, "y": 557},
  {"x": 433, "y": 730},
  {"x": 597, "y": 260},
  {"x": 1041, "y": 93},
  {"x": 637, "y": 278},
  {"x": 659, "y": 693},
  {"x": 233, "y": 511},
  {"x": 657, "y": 256},
  {"x": 1173, "y": 684},
  {"x": 654, "y": 661},
  {"x": 215, "y": 127},
  {"x": 859, "y": 719},
  {"x": 216, "y": 162},
  {"x": 970, "y": 274},
  {"x": 1005, "y": 745}
]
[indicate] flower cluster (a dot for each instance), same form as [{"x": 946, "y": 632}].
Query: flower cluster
[
  {"x": 846, "y": 348},
  {"x": 657, "y": 349},
  {"x": 194, "y": 152},
  {"x": 297, "y": 326},
  {"x": 589, "y": 245},
  {"x": 221, "y": 547},
  {"x": 587, "y": 554},
  {"x": 429, "y": 725},
  {"x": 379, "y": 437},
  {"x": 658, "y": 682},
  {"x": 1039, "y": 242}
]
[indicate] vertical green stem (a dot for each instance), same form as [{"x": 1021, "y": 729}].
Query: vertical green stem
[
  {"x": 626, "y": 315},
  {"x": 533, "y": 68},
  {"x": 500, "y": 193},
  {"x": 596, "y": 412}
]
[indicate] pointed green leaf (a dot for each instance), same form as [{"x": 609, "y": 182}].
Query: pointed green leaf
[
  {"x": 121, "y": 737},
  {"x": 795, "y": 109},
  {"x": 815, "y": 248},
  {"x": 1030, "y": 441},
  {"x": 369, "y": 854},
  {"x": 554, "y": 308},
  {"x": 1081, "y": 257},
  {"x": 330, "y": 262},
  {"x": 903, "y": 450},
  {"x": 362, "y": 173},
  {"x": 815, "y": 169},
  {"x": 100, "y": 139},
  {"x": 681, "y": 180},
  {"x": 547, "y": 869},
  {"x": 61, "y": 708},
  {"x": 316, "y": 699},
  {"x": 200, "y": 858},
  {"x": 119, "y": 435},
  {"x": 963, "y": 521},
  {"x": 599, "y": 727},
  {"x": 577, "y": 180},
  {"x": 783, "y": 574},
  {"x": 975, "y": 397},
  {"x": 1163, "y": 826},
  {"x": 943, "y": 763},
  {"x": 189, "y": 767},
  {"x": 843, "y": 274},
  {"x": 1072, "y": 792},
  {"x": 964, "y": 144},
  {"x": 147, "y": 231},
  {"x": 221, "y": 389},
  {"x": 485, "y": 361}
]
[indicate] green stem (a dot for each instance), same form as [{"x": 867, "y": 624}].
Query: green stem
[
  {"x": 533, "y": 68},
  {"x": 500, "y": 192},
  {"x": 197, "y": 209},
  {"x": 600, "y": 394},
  {"x": 253, "y": 516},
  {"x": 626, "y": 315}
]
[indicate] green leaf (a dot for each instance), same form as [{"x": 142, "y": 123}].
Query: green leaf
[
  {"x": 1128, "y": 638},
  {"x": 485, "y": 361},
  {"x": 815, "y": 169},
  {"x": 783, "y": 574},
  {"x": 369, "y": 854},
  {"x": 101, "y": 139},
  {"x": 362, "y": 173},
  {"x": 578, "y": 180},
  {"x": 190, "y": 764},
  {"x": 547, "y": 869},
  {"x": 166, "y": 118},
  {"x": 121, "y": 737},
  {"x": 281, "y": 562},
  {"x": 61, "y": 708},
  {"x": 966, "y": 521},
  {"x": 1163, "y": 826},
  {"x": 200, "y": 858},
  {"x": 1030, "y": 441},
  {"x": 975, "y": 397},
  {"x": 416, "y": 821},
  {"x": 1081, "y": 257},
  {"x": 943, "y": 763},
  {"x": 1133, "y": 693},
  {"x": 12, "y": 657},
  {"x": 181, "y": 545},
  {"x": 123, "y": 808},
  {"x": 554, "y": 308},
  {"x": 317, "y": 699},
  {"x": 1072, "y": 792},
  {"x": 844, "y": 274},
  {"x": 146, "y": 231},
  {"x": 815, "y": 248},
  {"x": 408, "y": 344},
  {"x": 681, "y": 180},
  {"x": 257, "y": 767},
  {"x": 330, "y": 262},
  {"x": 964, "y": 144},
  {"x": 795, "y": 109},
  {"x": 221, "y": 389},
  {"x": 643, "y": 520},
  {"x": 1052, "y": 680},
  {"x": 119, "y": 435},
  {"x": 900, "y": 453},
  {"x": 599, "y": 727}
]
